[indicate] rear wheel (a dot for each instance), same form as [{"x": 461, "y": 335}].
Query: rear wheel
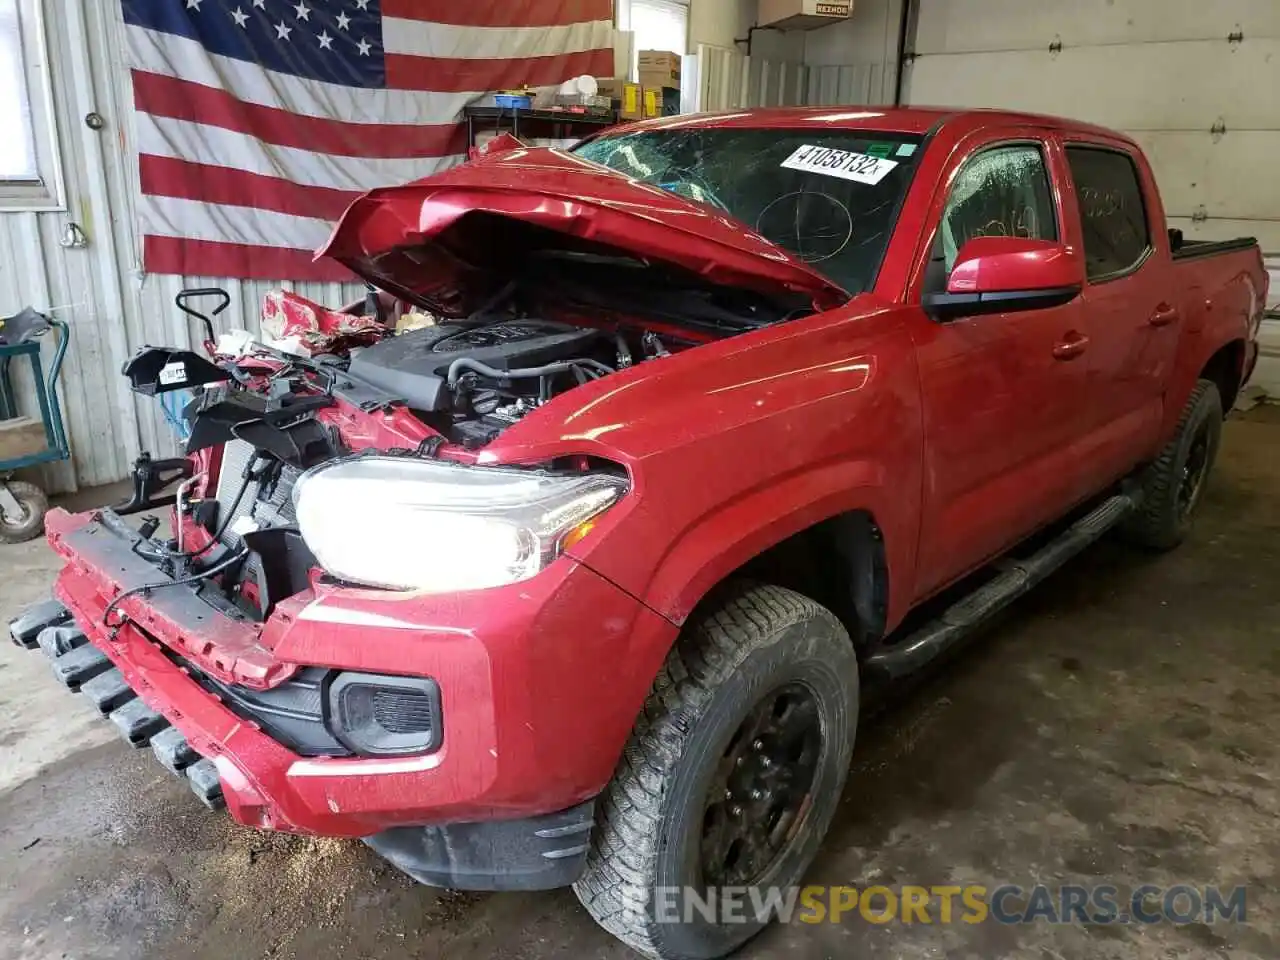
[
  {"x": 731, "y": 776},
  {"x": 1173, "y": 485},
  {"x": 26, "y": 521}
]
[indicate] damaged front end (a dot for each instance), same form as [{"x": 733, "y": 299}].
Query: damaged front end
[
  {"x": 236, "y": 639},
  {"x": 145, "y": 624},
  {"x": 332, "y": 633}
]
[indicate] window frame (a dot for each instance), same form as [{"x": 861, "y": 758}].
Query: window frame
[
  {"x": 623, "y": 20},
  {"x": 47, "y": 192},
  {"x": 1069, "y": 144},
  {"x": 1042, "y": 146}
]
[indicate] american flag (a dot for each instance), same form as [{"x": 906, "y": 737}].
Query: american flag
[{"x": 258, "y": 121}]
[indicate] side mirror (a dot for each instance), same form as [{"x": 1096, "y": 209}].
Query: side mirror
[{"x": 1004, "y": 274}]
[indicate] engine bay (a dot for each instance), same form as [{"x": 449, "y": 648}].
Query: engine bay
[
  {"x": 256, "y": 422},
  {"x": 471, "y": 380},
  {"x": 383, "y": 376}
]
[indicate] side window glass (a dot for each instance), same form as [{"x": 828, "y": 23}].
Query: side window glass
[
  {"x": 1112, "y": 214},
  {"x": 1002, "y": 192}
]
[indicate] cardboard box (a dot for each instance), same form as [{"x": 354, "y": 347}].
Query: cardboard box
[
  {"x": 659, "y": 68},
  {"x": 661, "y": 102},
  {"x": 652, "y": 102},
  {"x": 627, "y": 95},
  {"x": 611, "y": 86},
  {"x": 631, "y": 102}
]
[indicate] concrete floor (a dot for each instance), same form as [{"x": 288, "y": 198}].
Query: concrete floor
[{"x": 1119, "y": 726}]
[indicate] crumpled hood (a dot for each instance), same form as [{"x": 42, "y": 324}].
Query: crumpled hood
[{"x": 441, "y": 243}]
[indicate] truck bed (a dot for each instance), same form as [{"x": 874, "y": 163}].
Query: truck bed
[{"x": 1184, "y": 249}]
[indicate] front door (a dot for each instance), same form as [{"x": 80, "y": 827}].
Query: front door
[{"x": 1003, "y": 394}]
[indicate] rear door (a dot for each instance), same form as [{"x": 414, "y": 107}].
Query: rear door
[
  {"x": 1005, "y": 404},
  {"x": 1132, "y": 313}
]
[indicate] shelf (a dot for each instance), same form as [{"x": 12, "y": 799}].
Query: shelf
[{"x": 550, "y": 116}]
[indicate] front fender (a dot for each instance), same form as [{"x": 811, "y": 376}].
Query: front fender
[
  {"x": 735, "y": 445},
  {"x": 720, "y": 542}
]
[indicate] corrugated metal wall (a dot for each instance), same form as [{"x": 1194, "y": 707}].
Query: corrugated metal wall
[
  {"x": 723, "y": 79},
  {"x": 849, "y": 85},
  {"x": 83, "y": 285},
  {"x": 99, "y": 289}
]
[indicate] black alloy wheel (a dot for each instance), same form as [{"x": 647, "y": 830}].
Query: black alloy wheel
[
  {"x": 1172, "y": 486},
  {"x": 763, "y": 787},
  {"x": 1194, "y": 472},
  {"x": 731, "y": 775}
]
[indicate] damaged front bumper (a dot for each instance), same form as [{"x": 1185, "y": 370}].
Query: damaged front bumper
[
  {"x": 82, "y": 667},
  {"x": 505, "y": 800}
]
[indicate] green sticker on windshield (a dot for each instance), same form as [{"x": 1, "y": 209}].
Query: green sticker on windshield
[{"x": 881, "y": 150}]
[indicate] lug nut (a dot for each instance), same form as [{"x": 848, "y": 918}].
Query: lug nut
[
  {"x": 736, "y": 810},
  {"x": 766, "y": 762},
  {"x": 757, "y": 795},
  {"x": 728, "y": 794},
  {"x": 757, "y": 745}
]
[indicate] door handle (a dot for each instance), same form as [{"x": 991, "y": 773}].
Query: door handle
[
  {"x": 1071, "y": 347},
  {"x": 1163, "y": 316}
]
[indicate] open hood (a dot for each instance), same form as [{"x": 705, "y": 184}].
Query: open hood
[{"x": 447, "y": 242}]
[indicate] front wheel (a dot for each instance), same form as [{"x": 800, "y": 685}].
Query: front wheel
[
  {"x": 1173, "y": 485},
  {"x": 730, "y": 778}
]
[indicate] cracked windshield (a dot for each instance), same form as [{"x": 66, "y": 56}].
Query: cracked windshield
[{"x": 828, "y": 198}]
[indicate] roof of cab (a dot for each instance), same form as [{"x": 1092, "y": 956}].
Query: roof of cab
[{"x": 911, "y": 120}]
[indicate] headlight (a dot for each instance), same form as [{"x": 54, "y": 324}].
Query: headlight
[{"x": 426, "y": 525}]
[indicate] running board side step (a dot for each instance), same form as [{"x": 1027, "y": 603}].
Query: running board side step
[{"x": 961, "y": 619}]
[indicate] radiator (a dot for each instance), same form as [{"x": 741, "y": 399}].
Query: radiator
[{"x": 273, "y": 511}]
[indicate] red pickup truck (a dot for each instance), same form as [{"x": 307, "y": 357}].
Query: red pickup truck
[{"x": 582, "y": 583}]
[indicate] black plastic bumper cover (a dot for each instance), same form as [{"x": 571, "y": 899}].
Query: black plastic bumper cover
[
  {"x": 83, "y": 668},
  {"x": 537, "y": 853}
]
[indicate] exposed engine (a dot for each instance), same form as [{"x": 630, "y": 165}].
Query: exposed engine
[
  {"x": 264, "y": 412},
  {"x": 323, "y": 384},
  {"x": 472, "y": 380}
]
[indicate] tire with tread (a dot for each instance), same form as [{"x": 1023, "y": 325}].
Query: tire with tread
[
  {"x": 1159, "y": 524},
  {"x": 34, "y": 505},
  {"x": 751, "y": 640}
]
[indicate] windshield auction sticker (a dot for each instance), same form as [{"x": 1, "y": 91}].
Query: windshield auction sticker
[{"x": 844, "y": 164}]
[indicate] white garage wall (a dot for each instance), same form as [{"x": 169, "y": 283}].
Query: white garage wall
[
  {"x": 856, "y": 62},
  {"x": 851, "y": 62},
  {"x": 721, "y": 77},
  {"x": 717, "y": 78},
  {"x": 1205, "y": 107},
  {"x": 719, "y": 23}
]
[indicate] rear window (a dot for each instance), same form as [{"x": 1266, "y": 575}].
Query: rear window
[
  {"x": 829, "y": 197},
  {"x": 1112, "y": 213}
]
